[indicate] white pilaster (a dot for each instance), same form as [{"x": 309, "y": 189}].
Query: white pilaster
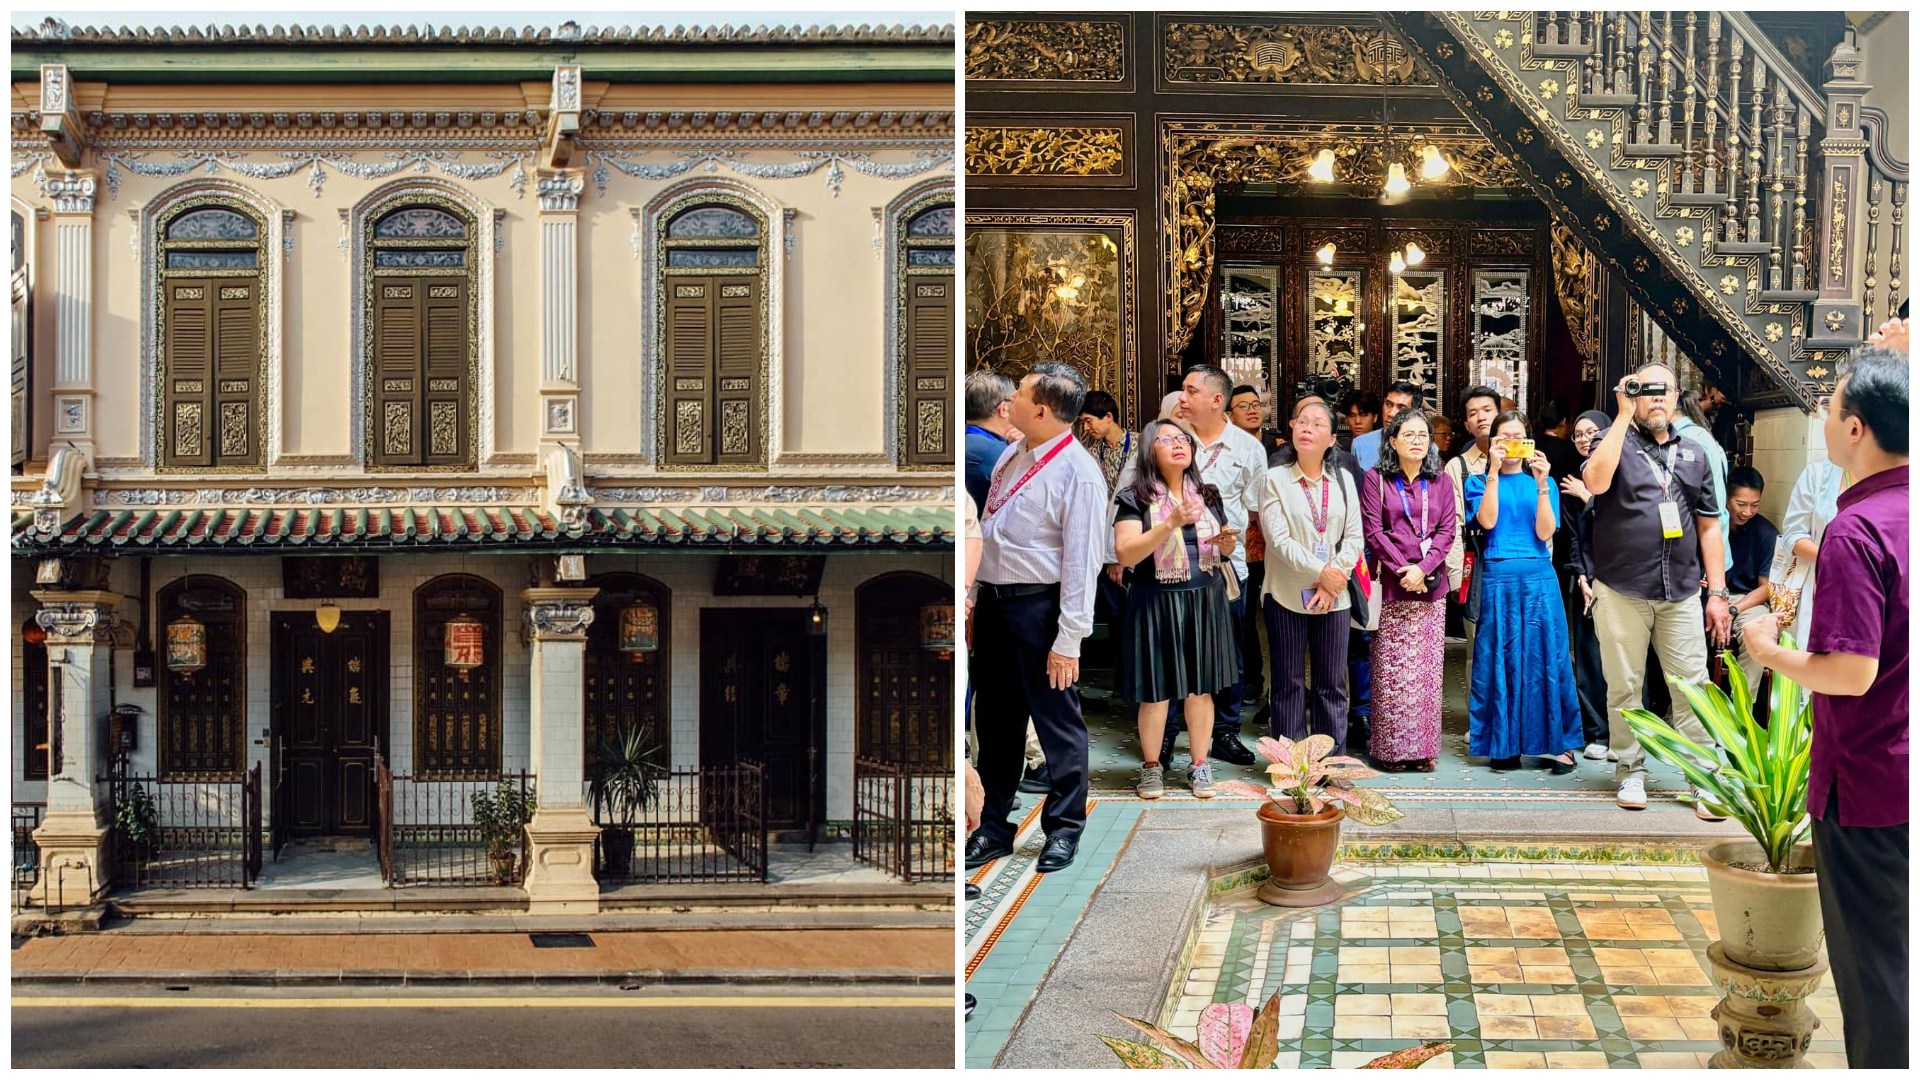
[
  {"x": 73, "y": 200},
  {"x": 559, "y": 193},
  {"x": 72, "y": 838},
  {"x": 560, "y": 873}
]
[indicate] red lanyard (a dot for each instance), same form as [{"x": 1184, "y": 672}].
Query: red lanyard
[
  {"x": 1319, "y": 520},
  {"x": 995, "y": 500},
  {"x": 1213, "y": 458}
]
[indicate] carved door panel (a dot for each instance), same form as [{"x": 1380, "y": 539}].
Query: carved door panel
[
  {"x": 757, "y": 704},
  {"x": 330, "y": 714}
]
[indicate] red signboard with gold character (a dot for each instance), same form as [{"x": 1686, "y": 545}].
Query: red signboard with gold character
[{"x": 465, "y": 646}]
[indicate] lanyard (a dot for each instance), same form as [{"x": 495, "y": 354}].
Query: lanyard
[
  {"x": 1665, "y": 476},
  {"x": 1319, "y": 520},
  {"x": 995, "y": 500},
  {"x": 1408, "y": 509},
  {"x": 1213, "y": 457}
]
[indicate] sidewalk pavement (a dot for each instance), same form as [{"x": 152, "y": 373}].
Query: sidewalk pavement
[{"x": 923, "y": 956}]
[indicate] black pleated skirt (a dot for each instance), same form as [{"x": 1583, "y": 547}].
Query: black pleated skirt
[{"x": 1177, "y": 641}]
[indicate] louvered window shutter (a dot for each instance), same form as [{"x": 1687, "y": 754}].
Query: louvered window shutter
[
  {"x": 236, "y": 370},
  {"x": 444, "y": 330},
  {"x": 929, "y": 370},
  {"x": 737, "y": 364},
  {"x": 690, "y": 378},
  {"x": 396, "y": 376},
  {"x": 188, "y": 398}
]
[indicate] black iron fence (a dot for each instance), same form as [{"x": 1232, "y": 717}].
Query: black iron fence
[
  {"x": 706, "y": 824},
  {"x": 200, "y": 832},
  {"x": 431, "y": 830},
  {"x": 903, "y": 819},
  {"x": 26, "y": 852}
]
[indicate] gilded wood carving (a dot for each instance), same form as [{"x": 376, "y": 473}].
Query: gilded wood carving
[
  {"x": 1044, "y": 151},
  {"x": 1263, "y": 52},
  {"x": 1027, "y": 50}
]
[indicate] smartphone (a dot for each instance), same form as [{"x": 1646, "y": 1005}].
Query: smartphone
[{"x": 1519, "y": 449}]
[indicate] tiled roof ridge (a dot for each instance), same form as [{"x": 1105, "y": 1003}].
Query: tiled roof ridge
[{"x": 54, "y": 30}]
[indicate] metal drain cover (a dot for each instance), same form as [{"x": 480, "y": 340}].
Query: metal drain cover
[{"x": 561, "y": 941}]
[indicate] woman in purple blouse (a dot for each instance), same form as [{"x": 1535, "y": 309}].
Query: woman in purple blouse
[{"x": 1406, "y": 505}]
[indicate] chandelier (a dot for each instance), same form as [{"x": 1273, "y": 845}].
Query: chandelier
[{"x": 1432, "y": 163}]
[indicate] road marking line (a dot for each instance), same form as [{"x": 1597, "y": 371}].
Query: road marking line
[{"x": 485, "y": 1003}]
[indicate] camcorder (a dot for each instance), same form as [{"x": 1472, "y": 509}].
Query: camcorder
[
  {"x": 1635, "y": 388},
  {"x": 1317, "y": 386}
]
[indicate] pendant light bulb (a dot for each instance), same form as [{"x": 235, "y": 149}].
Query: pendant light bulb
[
  {"x": 1396, "y": 264},
  {"x": 1322, "y": 168},
  {"x": 1397, "y": 179},
  {"x": 1433, "y": 164},
  {"x": 1325, "y": 254},
  {"x": 1414, "y": 255},
  {"x": 327, "y": 617}
]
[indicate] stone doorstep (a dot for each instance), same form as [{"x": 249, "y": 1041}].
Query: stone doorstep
[
  {"x": 930, "y": 896},
  {"x": 504, "y": 977},
  {"x": 325, "y": 923}
]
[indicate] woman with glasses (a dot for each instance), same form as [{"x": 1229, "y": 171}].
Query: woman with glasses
[
  {"x": 1522, "y": 700},
  {"x": 1178, "y": 637},
  {"x": 1589, "y": 681},
  {"x": 1406, "y": 502}
]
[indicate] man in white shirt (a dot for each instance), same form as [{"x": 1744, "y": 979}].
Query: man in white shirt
[
  {"x": 1483, "y": 404},
  {"x": 1235, "y": 463},
  {"x": 1044, "y": 535},
  {"x": 1401, "y": 396}
]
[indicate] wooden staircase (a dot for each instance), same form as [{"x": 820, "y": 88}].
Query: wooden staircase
[{"x": 1739, "y": 205}]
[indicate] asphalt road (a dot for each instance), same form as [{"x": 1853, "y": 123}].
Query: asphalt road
[{"x": 228, "y": 1027}]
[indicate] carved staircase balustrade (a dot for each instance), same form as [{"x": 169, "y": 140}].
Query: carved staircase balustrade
[{"x": 1742, "y": 207}]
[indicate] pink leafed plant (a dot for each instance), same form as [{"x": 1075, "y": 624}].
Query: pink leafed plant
[
  {"x": 1233, "y": 1036},
  {"x": 1306, "y": 777}
]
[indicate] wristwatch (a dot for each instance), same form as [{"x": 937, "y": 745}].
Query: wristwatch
[{"x": 1720, "y": 594}]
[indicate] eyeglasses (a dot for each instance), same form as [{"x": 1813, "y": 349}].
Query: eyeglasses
[
  {"x": 1170, "y": 440},
  {"x": 1585, "y": 436}
]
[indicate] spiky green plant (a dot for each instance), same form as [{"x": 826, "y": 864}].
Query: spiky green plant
[
  {"x": 1761, "y": 781},
  {"x": 1306, "y": 776},
  {"x": 1233, "y": 1036}
]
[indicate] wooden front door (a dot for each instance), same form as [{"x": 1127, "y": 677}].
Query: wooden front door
[
  {"x": 329, "y": 713},
  {"x": 756, "y": 703}
]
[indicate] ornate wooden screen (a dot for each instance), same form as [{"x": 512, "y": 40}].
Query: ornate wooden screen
[
  {"x": 621, "y": 688},
  {"x": 202, "y": 719},
  {"x": 212, "y": 329},
  {"x": 456, "y": 711},
  {"x": 906, "y": 692},
  {"x": 926, "y": 318},
  {"x": 715, "y": 336},
  {"x": 33, "y": 694},
  {"x": 421, "y": 338}
]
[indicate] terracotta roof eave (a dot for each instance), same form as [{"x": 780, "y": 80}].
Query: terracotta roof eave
[{"x": 56, "y": 32}]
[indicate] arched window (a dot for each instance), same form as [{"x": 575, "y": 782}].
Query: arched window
[
  {"x": 212, "y": 326},
  {"x": 905, "y": 707},
  {"x": 628, "y": 688},
  {"x": 924, "y": 339},
  {"x": 33, "y": 693},
  {"x": 422, "y": 360},
  {"x": 456, "y": 710},
  {"x": 202, "y": 721},
  {"x": 715, "y": 341}
]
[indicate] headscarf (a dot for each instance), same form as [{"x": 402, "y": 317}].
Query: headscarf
[{"x": 1600, "y": 420}]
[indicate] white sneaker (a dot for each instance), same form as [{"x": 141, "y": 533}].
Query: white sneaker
[
  {"x": 1200, "y": 779},
  {"x": 1632, "y": 794},
  {"x": 1597, "y": 752},
  {"x": 1700, "y": 806},
  {"x": 1150, "y": 785}
]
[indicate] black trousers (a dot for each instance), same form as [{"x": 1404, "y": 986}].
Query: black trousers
[
  {"x": 1012, "y": 637},
  {"x": 1293, "y": 639},
  {"x": 1589, "y": 681},
  {"x": 1253, "y": 658},
  {"x": 1863, "y": 901}
]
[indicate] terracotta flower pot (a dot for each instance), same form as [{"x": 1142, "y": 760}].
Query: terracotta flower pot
[
  {"x": 1299, "y": 850},
  {"x": 1767, "y": 921}
]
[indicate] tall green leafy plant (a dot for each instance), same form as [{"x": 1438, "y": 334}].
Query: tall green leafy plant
[
  {"x": 1761, "y": 779},
  {"x": 626, "y": 775},
  {"x": 501, "y": 815}
]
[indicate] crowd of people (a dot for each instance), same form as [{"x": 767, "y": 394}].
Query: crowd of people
[{"x": 1587, "y": 558}]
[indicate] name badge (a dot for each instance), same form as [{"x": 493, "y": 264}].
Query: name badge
[
  {"x": 1670, "y": 520},
  {"x": 1323, "y": 551},
  {"x": 1426, "y": 547}
]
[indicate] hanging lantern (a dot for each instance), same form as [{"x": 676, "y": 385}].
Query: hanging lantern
[
  {"x": 639, "y": 629},
  {"x": 465, "y": 645},
  {"x": 34, "y": 635},
  {"x": 186, "y": 645},
  {"x": 817, "y": 620},
  {"x": 936, "y": 629},
  {"x": 327, "y": 617}
]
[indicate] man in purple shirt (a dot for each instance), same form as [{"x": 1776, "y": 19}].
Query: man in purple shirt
[{"x": 1856, "y": 665}]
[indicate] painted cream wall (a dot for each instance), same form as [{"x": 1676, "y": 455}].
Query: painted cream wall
[{"x": 834, "y": 311}]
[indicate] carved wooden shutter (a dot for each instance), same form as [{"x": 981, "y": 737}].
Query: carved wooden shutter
[
  {"x": 737, "y": 363},
  {"x": 929, "y": 363},
  {"x": 444, "y": 330},
  {"x": 690, "y": 377},
  {"x": 236, "y": 367},
  {"x": 188, "y": 402},
  {"x": 396, "y": 376}
]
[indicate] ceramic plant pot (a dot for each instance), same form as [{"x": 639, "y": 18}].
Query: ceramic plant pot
[
  {"x": 1299, "y": 850},
  {"x": 1770, "y": 922}
]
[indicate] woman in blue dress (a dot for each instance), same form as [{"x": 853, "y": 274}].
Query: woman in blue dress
[{"x": 1522, "y": 700}]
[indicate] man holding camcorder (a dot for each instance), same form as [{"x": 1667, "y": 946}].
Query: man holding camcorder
[{"x": 1656, "y": 524}]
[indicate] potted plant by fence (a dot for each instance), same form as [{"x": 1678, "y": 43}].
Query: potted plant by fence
[
  {"x": 1765, "y": 895},
  {"x": 136, "y": 823},
  {"x": 626, "y": 780},
  {"x": 1300, "y": 820},
  {"x": 501, "y": 815}
]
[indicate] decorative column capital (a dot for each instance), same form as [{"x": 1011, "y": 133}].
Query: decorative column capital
[
  {"x": 559, "y": 614},
  {"x": 73, "y": 192},
  {"x": 76, "y": 618},
  {"x": 559, "y": 189}
]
